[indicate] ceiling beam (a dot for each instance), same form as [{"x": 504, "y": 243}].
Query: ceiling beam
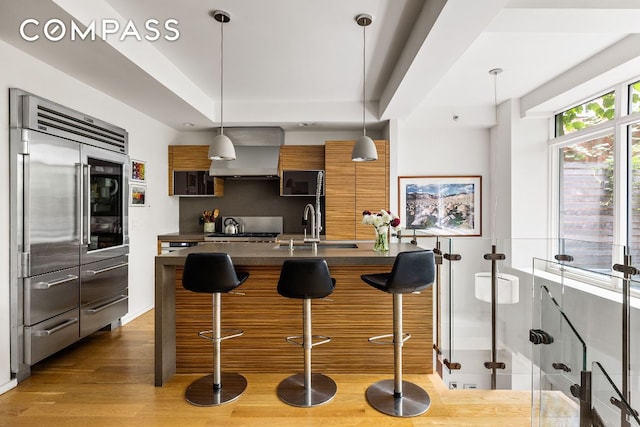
[{"x": 442, "y": 33}]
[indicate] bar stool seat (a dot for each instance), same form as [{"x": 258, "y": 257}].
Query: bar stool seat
[
  {"x": 306, "y": 279},
  {"x": 412, "y": 272},
  {"x": 213, "y": 273}
]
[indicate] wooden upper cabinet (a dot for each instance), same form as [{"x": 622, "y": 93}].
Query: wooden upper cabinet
[
  {"x": 300, "y": 158},
  {"x": 340, "y": 186},
  {"x": 351, "y": 188},
  {"x": 372, "y": 189},
  {"x": 191, "y": 158}
]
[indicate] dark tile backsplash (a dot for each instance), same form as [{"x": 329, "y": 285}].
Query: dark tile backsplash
[{"x": 247, "y": 197}]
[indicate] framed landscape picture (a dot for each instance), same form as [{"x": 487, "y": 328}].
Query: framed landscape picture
[{"x": 441, "y": 205}]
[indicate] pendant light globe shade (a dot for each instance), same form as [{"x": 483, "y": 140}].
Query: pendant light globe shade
[
  {"x": 221, "y": 148},
  {"x": 364, "y": 150}
]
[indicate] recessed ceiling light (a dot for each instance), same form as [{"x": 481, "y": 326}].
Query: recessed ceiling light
[
  {"x": 304, "y": 124},
  {"x": 187, "y": 124}
]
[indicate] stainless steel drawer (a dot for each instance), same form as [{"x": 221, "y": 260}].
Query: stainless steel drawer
[
  {"x": 98, "y": 314},
  {"x": 45, "y": 338},
  {"x": 48, "y": 295},
  {"x": 104, "y": 279}
]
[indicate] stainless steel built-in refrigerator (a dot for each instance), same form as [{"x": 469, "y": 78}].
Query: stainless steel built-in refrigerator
[{"x": 69, "y": 236}]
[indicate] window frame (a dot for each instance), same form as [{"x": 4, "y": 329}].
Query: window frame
[{"x": 619, "y": 128}]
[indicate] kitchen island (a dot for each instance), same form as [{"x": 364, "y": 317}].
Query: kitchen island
[{"x": 351, "y": 314}]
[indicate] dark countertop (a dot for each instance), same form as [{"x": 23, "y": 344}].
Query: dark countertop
[
  {"x": 182, "y": 237},
  {"x": 190, "y": 237},
  {"x": 243, "y": 253}
]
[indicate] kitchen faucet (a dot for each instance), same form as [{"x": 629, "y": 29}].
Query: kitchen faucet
[
  {"x": 316, "y": 216},
  {"x": 309, "y": 208}
]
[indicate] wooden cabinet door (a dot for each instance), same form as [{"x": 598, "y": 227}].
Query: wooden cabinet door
[
  {"x": 300, "y": 157},
  {"x": 372, "y": 190},
  {"x": 340, "y": 189},
  {"x": 191, "y": 158}
]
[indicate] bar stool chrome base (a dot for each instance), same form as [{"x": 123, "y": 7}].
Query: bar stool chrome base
[
  {"x": 291, "y": 390},
  {"x": 201, "y": 391},
  {"x": 414, "y": 401}
]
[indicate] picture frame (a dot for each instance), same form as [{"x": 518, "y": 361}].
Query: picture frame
[
  {"x": 137, "y": 195},
  {"x": 441, "y": 205},
  {"x": 138, "y": 171}
]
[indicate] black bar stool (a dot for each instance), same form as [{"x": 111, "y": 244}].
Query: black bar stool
[
  {"x": 213, "y": 273},
  {"x": 306, "y": 279},
  {"x": 412, "y": 272}
]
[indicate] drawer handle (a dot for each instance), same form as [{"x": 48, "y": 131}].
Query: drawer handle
[
  {"x": 48, "y": 332},
  {"x": 104, "y": 270},
  {"x": 107, "y": 305},
  {"x": 48, "y": 285}
]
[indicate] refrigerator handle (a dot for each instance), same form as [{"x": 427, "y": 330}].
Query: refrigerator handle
[{"x": 85, "y": 205}]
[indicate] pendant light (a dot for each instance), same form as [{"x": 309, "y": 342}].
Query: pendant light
[
  {"x": 221, "y": 148},
  {"x": 365, "y": 149}
]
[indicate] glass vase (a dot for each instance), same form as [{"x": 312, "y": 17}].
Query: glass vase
[{"x": 382, "y": 242}]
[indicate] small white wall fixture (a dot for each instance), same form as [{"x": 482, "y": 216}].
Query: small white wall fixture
[{"x": 508, "y": 288}]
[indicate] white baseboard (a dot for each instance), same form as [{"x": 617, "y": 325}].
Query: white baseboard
[
  {"x": 130, "y": 316},
  {"x": 9, "y": 385}
]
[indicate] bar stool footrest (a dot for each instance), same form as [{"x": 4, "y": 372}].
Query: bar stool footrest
[
  {"x": 233, "y": 333},
  {"x": 292, "y": 340},
  {"x": 201, "y": 392},
  {"x": 380, "y": 339},
  {"x": 413, "y": 402}
]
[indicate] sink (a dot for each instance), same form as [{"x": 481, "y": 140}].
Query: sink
[{"x": 327, "y": 245}]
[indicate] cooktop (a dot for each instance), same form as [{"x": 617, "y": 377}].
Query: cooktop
[{"x": 246, "y": 234}]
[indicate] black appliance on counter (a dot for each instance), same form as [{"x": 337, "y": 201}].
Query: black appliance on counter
[{"x": 69, "y": 234}]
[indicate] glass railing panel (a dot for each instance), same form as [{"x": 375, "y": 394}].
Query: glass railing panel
[
  {"x": 513, "y": 311},
  {"x": 610, "y": 406},
  {"x": 561, "y": 354},
  {"x": 470, "y": 312},
  {"x": 596, "y": 314},
  {"x": 634, "y": 343},
  {"x": 471, "y": 332},
  {"x": 441, "y": 297},
  {"x": 629, "y": 319},
  {"x": 597, "y": 257}
]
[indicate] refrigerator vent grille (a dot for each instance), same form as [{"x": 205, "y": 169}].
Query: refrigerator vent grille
[{"x": 46, "y": 116}]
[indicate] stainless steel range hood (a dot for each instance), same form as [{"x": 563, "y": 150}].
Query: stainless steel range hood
[{"x": 257, "y": 153}]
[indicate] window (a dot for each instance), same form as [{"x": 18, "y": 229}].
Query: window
[
  {"x": 587, "y": 200},
  {"x": 634, "y": 97},
  {"x": 634, "y": 171},
  {"x": 599, "y": 198},
  {"x": 585, "y": 115}
]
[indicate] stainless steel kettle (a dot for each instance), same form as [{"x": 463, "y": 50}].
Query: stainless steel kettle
[{"x": 231, "y": 226}]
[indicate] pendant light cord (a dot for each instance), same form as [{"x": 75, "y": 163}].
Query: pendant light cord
[
  {"x": 222, "y": 77},
  {"x": 364, "y": 78}
]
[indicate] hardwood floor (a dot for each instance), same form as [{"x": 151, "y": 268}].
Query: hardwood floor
[{"x": 107, "y": 380}]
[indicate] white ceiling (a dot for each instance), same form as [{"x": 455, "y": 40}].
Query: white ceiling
[{"x": 288, "y": 62}]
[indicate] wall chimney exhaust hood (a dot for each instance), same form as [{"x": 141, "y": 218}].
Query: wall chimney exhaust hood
[{"x": 257, "y": 153}]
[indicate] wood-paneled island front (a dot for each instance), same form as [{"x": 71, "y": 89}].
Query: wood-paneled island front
[{"x": 353, "y": 313}]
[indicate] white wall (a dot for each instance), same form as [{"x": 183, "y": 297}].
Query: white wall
[
  {"x": 148, "y": 140},
  {"x": 423, "y": 151},
  {"x": 530, "y": 175}
]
